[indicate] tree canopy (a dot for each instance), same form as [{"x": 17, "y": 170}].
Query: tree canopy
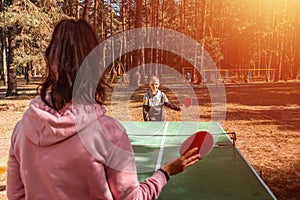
[{"x": 238, "y": 34}]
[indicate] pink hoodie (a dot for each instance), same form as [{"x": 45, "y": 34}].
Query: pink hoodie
[{"x": 77, "y": 153}]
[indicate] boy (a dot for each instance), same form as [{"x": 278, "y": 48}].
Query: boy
[{"x": 153, "y": 102}]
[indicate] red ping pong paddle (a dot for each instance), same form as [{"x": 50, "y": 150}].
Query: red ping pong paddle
[{"x": 201, "y": 139}]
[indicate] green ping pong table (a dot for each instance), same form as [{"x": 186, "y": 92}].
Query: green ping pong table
[{"x": 223, "y": 174}]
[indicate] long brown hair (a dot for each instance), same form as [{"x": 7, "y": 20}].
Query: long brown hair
[{"x": 71, "y": 42}]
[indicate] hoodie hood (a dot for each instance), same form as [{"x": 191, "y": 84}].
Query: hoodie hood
[{"x": 44, "y": 126}]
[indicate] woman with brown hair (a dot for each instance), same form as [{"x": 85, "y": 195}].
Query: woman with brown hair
[{"x": 64, "y": 151}]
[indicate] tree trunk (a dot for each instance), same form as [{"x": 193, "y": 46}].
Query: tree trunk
[
  {"x": 28, "y": 71},
  {"x": 95, "y": 15},
  {"x": 111, "y": 33},
  {"x": 86, "y": 10},
  {"x": 77, "y": 12},
  {"x": 102, "y": 8},
  {"x": 3, "y": 73},
  {"x": 4, "y": 60},
  {"x": 203, "y": 36},
  {"x": 134, "y": 73},
  {"x": 123, "y": 42},
  {"x": 66, "y": 6},
  {"x": 182, "y": 25},
  {"x": 11, "y": 69}
]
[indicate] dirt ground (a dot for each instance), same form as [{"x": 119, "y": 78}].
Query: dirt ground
[{"x": 265, "y": 117}]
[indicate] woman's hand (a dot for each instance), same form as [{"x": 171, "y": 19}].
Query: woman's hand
[{"x": 184, "y": 161}]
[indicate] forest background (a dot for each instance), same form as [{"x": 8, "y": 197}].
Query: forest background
[{"x": 241, "y": 36}]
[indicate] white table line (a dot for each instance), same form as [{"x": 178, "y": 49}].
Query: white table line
[{"x": 161, "y": 149}]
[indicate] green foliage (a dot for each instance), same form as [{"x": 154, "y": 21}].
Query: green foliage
[
  {"x": 234, "y": 32},
  {"x": 35, "y": 26}
]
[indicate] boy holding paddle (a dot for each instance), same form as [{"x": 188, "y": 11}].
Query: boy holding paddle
[{"x": 153, "y": 102}]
